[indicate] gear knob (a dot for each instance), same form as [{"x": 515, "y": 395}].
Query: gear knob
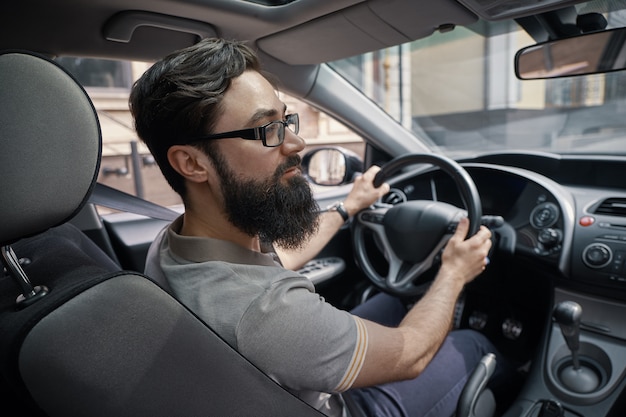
[
  {"x": 578, "y": 377},
  {"x": 567, "y": 314}
]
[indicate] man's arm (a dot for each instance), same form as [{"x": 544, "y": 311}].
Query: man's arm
[
  {"x": 362, "y": 195},
  {"x": 401, "y": 353}
]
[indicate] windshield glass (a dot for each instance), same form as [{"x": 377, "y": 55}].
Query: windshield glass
[{"x": 459, "y": 94}]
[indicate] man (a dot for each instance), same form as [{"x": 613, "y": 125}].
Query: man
[{"x": 226, "y": 144}]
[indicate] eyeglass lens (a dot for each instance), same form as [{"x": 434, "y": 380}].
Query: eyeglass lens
[{"x": 275, "y": 131}]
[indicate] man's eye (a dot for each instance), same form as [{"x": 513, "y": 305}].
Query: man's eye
[{"x": 271, "y": 129}]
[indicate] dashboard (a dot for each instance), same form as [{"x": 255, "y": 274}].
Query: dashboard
[{"x": 574, "y": 232}]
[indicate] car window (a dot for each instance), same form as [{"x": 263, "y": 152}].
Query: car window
[
  {"x": 127, "y": 164},
  {"x": 458, "y": 92}
]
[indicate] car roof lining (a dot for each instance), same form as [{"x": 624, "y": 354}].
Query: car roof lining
[
  {"x": 296, "y": 33},
  {"x": 283, "y": 30}
]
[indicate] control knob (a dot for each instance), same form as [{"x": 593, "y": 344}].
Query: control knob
[
  {"x": 550, "y": 237},
  {"x": 597, "y": 255}
]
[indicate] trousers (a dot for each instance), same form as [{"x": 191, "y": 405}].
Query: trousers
[{"x": 436, "y": 391}]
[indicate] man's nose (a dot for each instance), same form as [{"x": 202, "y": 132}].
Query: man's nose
[{"x": 292, "y": 143}]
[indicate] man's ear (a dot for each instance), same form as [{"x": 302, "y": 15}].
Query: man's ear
[{"x": 189, "y": 162}]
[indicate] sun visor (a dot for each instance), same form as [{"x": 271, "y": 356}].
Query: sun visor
[{"x": 363, "y": 28}]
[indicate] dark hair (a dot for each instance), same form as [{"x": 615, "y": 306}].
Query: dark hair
[{"x": 179, "y": 96}]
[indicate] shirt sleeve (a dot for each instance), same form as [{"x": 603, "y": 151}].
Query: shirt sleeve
[{"x": 300, "y": 340}]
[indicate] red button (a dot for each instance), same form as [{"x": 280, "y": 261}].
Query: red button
[{"x": 586, "y": 221}]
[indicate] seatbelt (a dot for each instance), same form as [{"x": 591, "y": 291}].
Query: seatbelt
[{"x": 112, "y": 198}]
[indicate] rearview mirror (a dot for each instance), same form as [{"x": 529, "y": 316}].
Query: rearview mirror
[
  {"x": 591, "y": 53},
  {"x": 331, "y": 165}
]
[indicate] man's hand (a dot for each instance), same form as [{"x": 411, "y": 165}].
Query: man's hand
[
  {"x": 363, "y": 193},
  {"x": 465, "y": 259}
]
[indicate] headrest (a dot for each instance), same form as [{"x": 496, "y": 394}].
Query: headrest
[{"x": 50, "y": 145}]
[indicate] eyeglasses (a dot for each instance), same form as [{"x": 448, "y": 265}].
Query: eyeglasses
[{"x": 271, "y": 134}]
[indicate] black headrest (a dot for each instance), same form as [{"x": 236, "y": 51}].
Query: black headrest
[{"x": 50, "y": 145}]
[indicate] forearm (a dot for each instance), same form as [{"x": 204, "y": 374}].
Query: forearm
[
  {"x": 430, "y": 320},
  {"x": 403, "y": 352}
]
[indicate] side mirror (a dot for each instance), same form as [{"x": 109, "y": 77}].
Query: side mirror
[
  {"x": 331, "y": 165},
  {"x": 591, "y": 53}
]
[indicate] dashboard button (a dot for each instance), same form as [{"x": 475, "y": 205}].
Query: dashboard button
[
  {"x": 586, "y": 221},
  {"x": 609, "y": 237}
]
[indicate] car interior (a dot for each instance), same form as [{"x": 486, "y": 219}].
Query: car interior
[
  {"x": 152, "y": 352},
  {"x": 85, "y": 332}
]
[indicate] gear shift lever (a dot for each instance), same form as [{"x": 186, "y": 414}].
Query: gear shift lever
[
  {"x": 567, "y": 314},
  {"x": 576, "y": 377}
]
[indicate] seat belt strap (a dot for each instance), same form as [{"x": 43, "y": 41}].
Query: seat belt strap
[{"x": 112, "y": 198}]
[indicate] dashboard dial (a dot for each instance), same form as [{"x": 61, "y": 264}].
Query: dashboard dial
[{"x": 544, "y": 215}]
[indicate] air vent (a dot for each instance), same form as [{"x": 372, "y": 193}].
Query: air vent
[
  {"x": 393, "y": 197},
  {"x": 612, "y": 207}
]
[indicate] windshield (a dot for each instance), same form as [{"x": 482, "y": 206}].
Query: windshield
[{"x": 457, "y": 91}]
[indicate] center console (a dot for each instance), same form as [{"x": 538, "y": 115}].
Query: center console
[{"x": 582, "y": 369}]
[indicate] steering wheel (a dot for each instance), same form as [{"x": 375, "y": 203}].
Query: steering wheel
[{"x": 412, "y": 234}]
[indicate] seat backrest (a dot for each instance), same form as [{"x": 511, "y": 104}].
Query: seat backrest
[
  {"x": 99, "y": 341},
  {"x": 105, "y": 342}
]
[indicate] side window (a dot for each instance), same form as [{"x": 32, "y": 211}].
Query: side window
[
  {"x": 99, "y": 73},
  {"x": 126, "y": 162}
]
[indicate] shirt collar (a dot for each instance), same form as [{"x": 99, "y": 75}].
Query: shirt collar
[{"x": 204, "y": 249}]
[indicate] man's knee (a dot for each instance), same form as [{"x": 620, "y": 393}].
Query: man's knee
[
  {"x": 472, "y": 345},
  {"x": 472, "y": 337}
]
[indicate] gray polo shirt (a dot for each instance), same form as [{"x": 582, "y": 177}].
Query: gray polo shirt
[{"x": 269, "y": 314}]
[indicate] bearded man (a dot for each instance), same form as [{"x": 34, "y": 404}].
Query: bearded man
[{"x": 227, "y": 144}]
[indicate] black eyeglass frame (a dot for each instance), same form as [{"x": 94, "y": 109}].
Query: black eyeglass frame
[{"x": 256, "y": 133}]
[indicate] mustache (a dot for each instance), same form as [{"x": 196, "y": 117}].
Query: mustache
[{"x": 292, "y": 161}]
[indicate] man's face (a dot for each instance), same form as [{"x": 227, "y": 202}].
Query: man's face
[
  {"x": 263, "y": 191},
  {"x": 280, "y": 212}
]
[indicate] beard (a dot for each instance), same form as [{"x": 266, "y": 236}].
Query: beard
[{"x": 279, "y": 212}]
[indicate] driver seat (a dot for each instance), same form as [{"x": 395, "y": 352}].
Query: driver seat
[{"x": 80, "y": 337}]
